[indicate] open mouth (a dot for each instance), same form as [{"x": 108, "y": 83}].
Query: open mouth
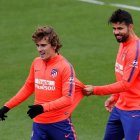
[
  {"x": 118, "y": 36},
  {"x": 42, "y": 54}
]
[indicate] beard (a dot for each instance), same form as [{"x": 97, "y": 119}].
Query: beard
[{"x": 121, "y": 38}]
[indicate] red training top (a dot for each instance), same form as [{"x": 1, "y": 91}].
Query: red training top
[
  {"x": 127, "y": 69},
  {"x": 55, "y": 88}
]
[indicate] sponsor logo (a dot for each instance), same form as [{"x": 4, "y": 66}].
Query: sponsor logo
[
  {"x": 66, "y": 113},
  {"x": 44, "y": 84},
  {"x": 71, "y": 79},
  {"x": 66, "y": 136},
  {"x": 54, "y": 73},
  {"x": 37, "y": 70},
  {"x": 134, "y": 64},
  {"x": 123, "y": 57},
  {"x": 134, "y": 116},
  {"x": 119, "y": 68}
]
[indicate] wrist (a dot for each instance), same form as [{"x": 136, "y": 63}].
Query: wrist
[
  {"x": 113, "y": 98},
  {"x": 94, "y": 90},
  {"x": 5, "y": 109}
]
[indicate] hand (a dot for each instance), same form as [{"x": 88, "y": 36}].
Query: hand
[
  {"x": 88, "y": 90},
  {"x": 3, "y": 110},
  {"x": 34, "y": 110},
  {"x": 109, "y": 104}
]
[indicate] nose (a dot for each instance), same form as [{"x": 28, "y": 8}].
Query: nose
[{"x": 116, "y": 31}]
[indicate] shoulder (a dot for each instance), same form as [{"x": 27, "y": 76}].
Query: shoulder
[
  {"x": 133, "y": 53},
  {"x": 65, "y": 62},
  {"x": 37, "y": 61},
  {"x": 134, "y": 47}
]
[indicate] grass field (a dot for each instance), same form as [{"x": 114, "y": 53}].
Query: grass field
[{"x": 88, "y": 44}]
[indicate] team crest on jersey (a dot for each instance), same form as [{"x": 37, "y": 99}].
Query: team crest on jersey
[{"x": 54, "y": 73}]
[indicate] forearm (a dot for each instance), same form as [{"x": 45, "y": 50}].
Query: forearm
[
  {"x": 22, "y": 95},
  {"x": 58, "y": 103},
  {"x": 111, "y": 88}
]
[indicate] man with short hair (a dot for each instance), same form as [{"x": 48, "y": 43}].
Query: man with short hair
[
  {"x": 124, "y": 120},
  {"x": 57, "y": 91}
]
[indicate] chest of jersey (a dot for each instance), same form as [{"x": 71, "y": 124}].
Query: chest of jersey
[
  {"x": 120, "y": 62},
  {"x": 47, "y": 78}
]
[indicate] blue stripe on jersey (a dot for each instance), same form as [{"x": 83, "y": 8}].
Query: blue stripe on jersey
[
  {"x": 71, "y": 80},
  {"x": 135, "y": 60}
]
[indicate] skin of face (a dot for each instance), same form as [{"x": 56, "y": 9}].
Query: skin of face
[
  {"x": 122, "y": 31},
  {"x": 45, "y": 49}
]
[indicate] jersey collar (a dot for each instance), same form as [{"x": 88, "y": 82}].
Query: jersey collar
[
  {"x": 130, "y": 41},
  {"x": 54, "y": 59}
]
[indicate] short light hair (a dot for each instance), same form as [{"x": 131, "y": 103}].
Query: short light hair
[{"x": 47, "y": 31}]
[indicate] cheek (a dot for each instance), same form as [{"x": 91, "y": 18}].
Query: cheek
[
  {"x": 48, "y": 51},
  {"x": 125, "y": 31}
]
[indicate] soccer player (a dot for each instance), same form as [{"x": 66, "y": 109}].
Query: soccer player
[
  {"x": 124, "y": 120},
  {"x": 57, "y": 91}
]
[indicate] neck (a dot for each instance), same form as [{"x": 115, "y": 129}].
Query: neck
[
  {"x": 54, "y": 55},
  {"x": 132, "y": 34}
]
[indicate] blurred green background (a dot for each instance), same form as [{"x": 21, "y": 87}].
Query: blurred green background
[{"x": 88, "y": 44}]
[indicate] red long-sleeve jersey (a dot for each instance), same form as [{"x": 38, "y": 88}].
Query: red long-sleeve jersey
[
  {"x": 55, "y": 86},
  {"x": 127, "y": 69}
]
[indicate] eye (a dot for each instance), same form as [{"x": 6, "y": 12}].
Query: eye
[
  {"x": 120, "y": 28},
  {"x": 37, "y": 45},
  {"x": 43, "y": 45}
]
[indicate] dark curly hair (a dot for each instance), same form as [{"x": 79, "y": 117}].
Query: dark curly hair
[{"x": 121, "y": 16}]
